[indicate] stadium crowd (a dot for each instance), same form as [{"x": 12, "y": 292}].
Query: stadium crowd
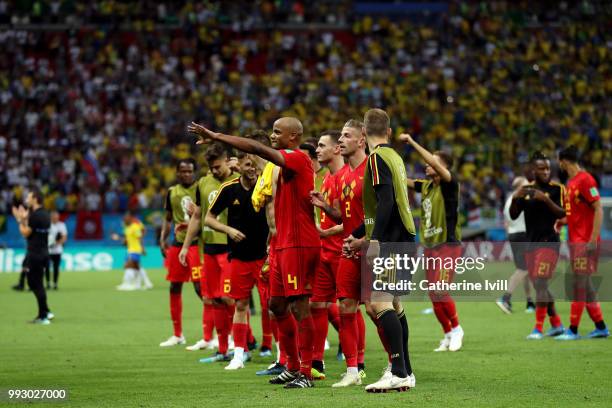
[{"x": 99, "y": 126}]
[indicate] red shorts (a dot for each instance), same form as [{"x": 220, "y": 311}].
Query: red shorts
[
  {"x": 294, "y": 271},
  {"x": 440, "y": 268},
  {"x": 348, "y": 279},
  {"x": 583, "y": 262},
  {"x": 542, "y": 262},
  {"x": 179, "y": 273},
  {"x": 324, "y": 285},
  {"x": 244, "y": 275},
  {"x": 216, "y": 278}
]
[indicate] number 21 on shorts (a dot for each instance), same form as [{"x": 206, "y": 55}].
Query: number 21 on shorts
[{"x": 292, "y": 280}]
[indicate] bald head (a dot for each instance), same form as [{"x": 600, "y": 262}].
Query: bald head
[{"x": 286, "y": 133}]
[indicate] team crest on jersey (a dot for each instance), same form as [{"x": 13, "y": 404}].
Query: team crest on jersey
[
  {"x": 236, "y": 202},
  {"x": 185, "y": 204}
]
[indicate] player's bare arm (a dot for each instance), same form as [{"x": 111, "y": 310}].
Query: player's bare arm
[
  {"x": 318, "y": 200},
  {"x": 165, "y": 232},
  {"x": 241, "y": 143},
  {"x": 192, "y": 230},
  {"x": 428, "y": 157},
  {"x": 212, "y": 221},
  {"x": 597, "y": 222}
]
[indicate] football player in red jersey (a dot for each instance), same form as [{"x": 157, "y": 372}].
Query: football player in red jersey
[
  {"x": 298, "y": 244},
  {"x": 584, "y": 217},
  {"x": 324, "y": 286},
  {"x": 349, "y": 211}
]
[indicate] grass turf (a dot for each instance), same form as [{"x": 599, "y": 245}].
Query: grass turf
[{"x": 103, "y": 348}]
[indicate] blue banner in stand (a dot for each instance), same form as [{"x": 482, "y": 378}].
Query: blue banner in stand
[{"x": 84, "y": 259}]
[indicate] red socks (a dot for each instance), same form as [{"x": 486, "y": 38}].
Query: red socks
[
  {"x": 451, "y": 311},
  {"x": 221, "y": 323},
  {"x": 440, "y": 312},
  {"x": 594, "y": 311},
  {"x": 540, "y": 314},
  {"x": 266, "y": 329},
  {"x": 208, "y": 322},
  {"x": 287, "y": 332},
  {"x": 321, "y": 326},
  {"x": 176, "y": 313},
  {"x": 240, "y": 330},
  {"x": 576, "y": 310},
  {"x": 361, "y": 337},
  {"x": 349, "y": 334},
  {"x": 305, "y": 339},
  {"x": 333, "y": 315}
]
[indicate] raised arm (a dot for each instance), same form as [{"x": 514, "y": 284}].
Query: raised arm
[
  {"x": 240, "y": 143},
  {"x": 428, "y": 157}
]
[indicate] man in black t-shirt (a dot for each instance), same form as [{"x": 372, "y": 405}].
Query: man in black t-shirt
[
  {"x": 542, "y": 203},
  {"x": 34, "y": 223},
  {"x": 248, "y": 232}
]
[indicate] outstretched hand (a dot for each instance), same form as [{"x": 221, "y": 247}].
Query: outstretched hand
[
  {"x": 204, "y": 135},
  {"x": 406, "y": 138}
]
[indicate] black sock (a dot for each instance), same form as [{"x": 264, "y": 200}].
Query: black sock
[
  {"x": 404, "y": 324},
  {"x": 507, "y": 296},
  {"x": 600, "y": 325},
  {"x": 360, "y": 366},
  {"x": 551, "y": 309},
  {"x": 393, "y": 332},
  {"x": 574, "y": 329},
  {"x": 318, "y": 365}
]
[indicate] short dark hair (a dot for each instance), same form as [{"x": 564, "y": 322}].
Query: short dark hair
[
  {"x": 376, "y": 122},
  {"x": 187, "y": 161},
  {"x": 241, "y": 155},
  {"x": 37, "y": 194},
  {"x": 570, "y": 153},
  {"x": 312, "y": 151},
  {"x": 538, "y": 155},
  {"x": 260, "y": 136},
  {"x": 215, "y": 151},
  {"x": 334, "y": 135},
  {"x": 446, "y": 158},
  {"x": 313, "y": 141}
]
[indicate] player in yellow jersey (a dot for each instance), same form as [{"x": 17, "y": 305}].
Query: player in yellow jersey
[{"x": 134, "y": 277}]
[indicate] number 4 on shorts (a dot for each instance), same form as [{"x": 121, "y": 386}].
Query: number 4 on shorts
[{"x": 292, "y": 280}]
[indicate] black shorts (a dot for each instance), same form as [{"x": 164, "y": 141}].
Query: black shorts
[{"x": 519, "y": 243}]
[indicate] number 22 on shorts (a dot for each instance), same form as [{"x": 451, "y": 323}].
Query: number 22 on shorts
[{"x": 292, "y": 280}]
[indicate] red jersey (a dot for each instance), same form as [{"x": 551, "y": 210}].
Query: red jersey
[
  {"x": 350, "y": 183},
  {"x": 580, "y": 194},
  {"x": 329, "y": 189},
  {"x": 294, "y": 212}
]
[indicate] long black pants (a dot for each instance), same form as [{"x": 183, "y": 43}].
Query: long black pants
[
  {"x": 54, "y": 260},
  {"x": 35, "y": 269}
]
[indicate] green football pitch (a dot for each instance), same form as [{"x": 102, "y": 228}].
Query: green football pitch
[{"x": 103, "y": 349}]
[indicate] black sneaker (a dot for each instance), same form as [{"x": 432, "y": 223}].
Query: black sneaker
[
  {"x": 18, "y": 288},
  {"x": 300, "y": 382},
  {"x": 252, "y": 346},
  {"x": 284, "y": 377},
  {"x": 55, "y": 287}
]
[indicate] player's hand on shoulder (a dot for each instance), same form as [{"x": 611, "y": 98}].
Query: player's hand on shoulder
[{"x": 538, "y": 195}]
